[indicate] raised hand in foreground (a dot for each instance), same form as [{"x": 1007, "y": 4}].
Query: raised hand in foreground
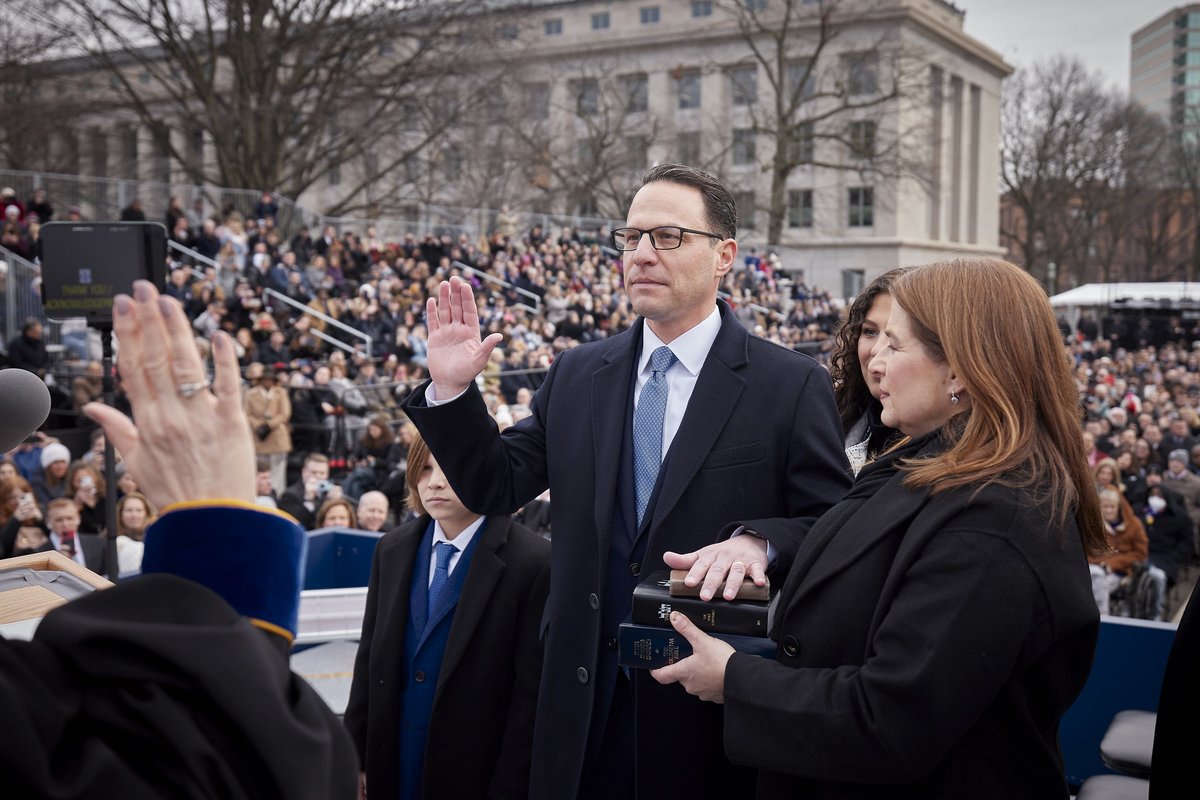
[{"x": 189, "y": 443}]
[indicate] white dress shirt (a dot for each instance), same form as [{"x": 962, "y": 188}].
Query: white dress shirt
[
  {"x": 460, "y": 542},
  {"x": 690, "y": 349}
]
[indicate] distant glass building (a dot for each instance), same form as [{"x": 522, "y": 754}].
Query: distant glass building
[{"x": 1165, "y": 68}]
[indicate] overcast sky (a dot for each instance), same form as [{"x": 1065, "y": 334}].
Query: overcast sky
[{"x": 1098, "y": 31}]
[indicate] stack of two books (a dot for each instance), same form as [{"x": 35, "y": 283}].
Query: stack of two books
[{"x": 648, "y": 641}]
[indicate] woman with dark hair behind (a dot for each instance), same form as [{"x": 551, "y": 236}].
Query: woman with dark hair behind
[
  {"x": 375, "y": 456},
  {"x": 937, "y": 623},
  {"x": 856, "y": 389}
]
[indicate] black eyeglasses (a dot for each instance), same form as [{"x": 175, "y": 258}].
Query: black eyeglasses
[{"x": 664, "y": 237}]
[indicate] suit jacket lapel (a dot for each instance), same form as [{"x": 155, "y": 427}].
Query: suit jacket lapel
[
  {"x": 398, "y": 563},
  {"x": 610, "y": 395},
  {"x": 484, "y": 572},
  {"x": 839, "y": 546},
  {"x": 718, "y": 388}
]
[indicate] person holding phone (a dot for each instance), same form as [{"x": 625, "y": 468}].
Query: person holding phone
[
  {"x": 23, "y": 530},
  {"x": 86, "y": 488}
]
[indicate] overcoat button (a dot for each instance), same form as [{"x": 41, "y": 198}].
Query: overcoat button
[
  {"x": 612, "y": 643},
  {"x": 419, "y": 677},
  {"x": 582, "y": 674},
  {"x": 791, "y": 647},
  {"x": 594, "y": 599},
  {"x": 635, "y": 569}
]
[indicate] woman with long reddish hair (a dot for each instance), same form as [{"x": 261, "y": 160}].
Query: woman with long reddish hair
[{"x": 938, "y": 622}]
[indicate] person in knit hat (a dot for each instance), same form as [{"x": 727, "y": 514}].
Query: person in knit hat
[
  {"x": 1180, "y": 480},
  {"x": 52, "y": 481}
]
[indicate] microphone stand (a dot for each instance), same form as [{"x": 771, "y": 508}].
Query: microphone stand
[{"x": 110, "y": 455}]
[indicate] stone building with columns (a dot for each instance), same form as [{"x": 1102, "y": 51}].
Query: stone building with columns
[{"x": 596, "y": 91}]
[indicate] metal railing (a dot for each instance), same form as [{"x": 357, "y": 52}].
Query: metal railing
[
  {"x": 192, "y": 254},
  {"x": 771, "y": 312},
  {"x": 487, "y": 276},
  {"x": 328, "y": 320},
  {"x": 20, "y": 281}
]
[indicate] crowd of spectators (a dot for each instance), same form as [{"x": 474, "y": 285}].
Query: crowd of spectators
[
  {"x": 1141, "y": 429},
  {"x": 547, "y": 291}
]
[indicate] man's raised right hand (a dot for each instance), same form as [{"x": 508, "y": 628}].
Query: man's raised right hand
[{"x": 455, "y": 352}]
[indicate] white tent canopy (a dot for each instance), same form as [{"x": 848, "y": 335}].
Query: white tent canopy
[{"x": 1103, "y": 294}]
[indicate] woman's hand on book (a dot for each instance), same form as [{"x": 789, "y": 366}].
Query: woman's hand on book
[{"x": 703, "y": 672}]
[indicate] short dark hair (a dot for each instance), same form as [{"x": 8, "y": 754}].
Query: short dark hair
[{"x": 718, "y": 202}]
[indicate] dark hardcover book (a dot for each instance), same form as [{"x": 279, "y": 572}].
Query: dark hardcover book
[
  {"x": 749, "y": 590},
  {"x": 653, "y": 604},
  {"x": 652, "y": 646}
]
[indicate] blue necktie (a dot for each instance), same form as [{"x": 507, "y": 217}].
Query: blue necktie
[
  {"x": 648, "y": 428},
  {"x": 441, "y": 574}
]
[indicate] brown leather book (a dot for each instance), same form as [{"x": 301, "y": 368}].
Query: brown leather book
[{"x": 749, "y": 590}]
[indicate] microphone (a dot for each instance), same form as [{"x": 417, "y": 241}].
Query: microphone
[{"x": 24, "y": 406}]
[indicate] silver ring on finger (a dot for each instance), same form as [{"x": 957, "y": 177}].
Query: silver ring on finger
[{"x": 188, "y": 390}]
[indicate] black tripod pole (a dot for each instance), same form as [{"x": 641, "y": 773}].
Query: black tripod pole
[{"x": 110, "y": 458}]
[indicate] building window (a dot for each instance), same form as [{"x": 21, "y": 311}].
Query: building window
[
  {"x": 553, "y": 26},
  {"x": 584, "y": 147},
  {"x": 537, "y": 100},
  {"x": 862, "y": 74},
  {"x": 509, "y": 32},
  {"x": 387, "y": 49},
  {"x": 335, "y": 175},
  {"x": 600, "y": 21},
  {"x": 862, "y": 139},
  {"x": 638, "y": 150},
  {"x": 803, "y": 144},
  {"x": 853, "y": 282},
  {"x": 744, "y": 202},
  {"x": 701, "y": 8},
  {"x": 587, "y": 97},
  {"x": 689, "y": 147},
  {"x": 635, "y": 88},
  {"x": 743, "y": 84},
  {"x": 862, "y": 207},
  {"x": 689, "y": 89},
  {"x": 649, "y": 15},
  {"x": 798, "y": 71},
  {"x": 800, "y": 208},
  {"x": 755, "y": 5},
  {"x": 743, "y": 147},
  {"x": 452, "y": 163}
]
